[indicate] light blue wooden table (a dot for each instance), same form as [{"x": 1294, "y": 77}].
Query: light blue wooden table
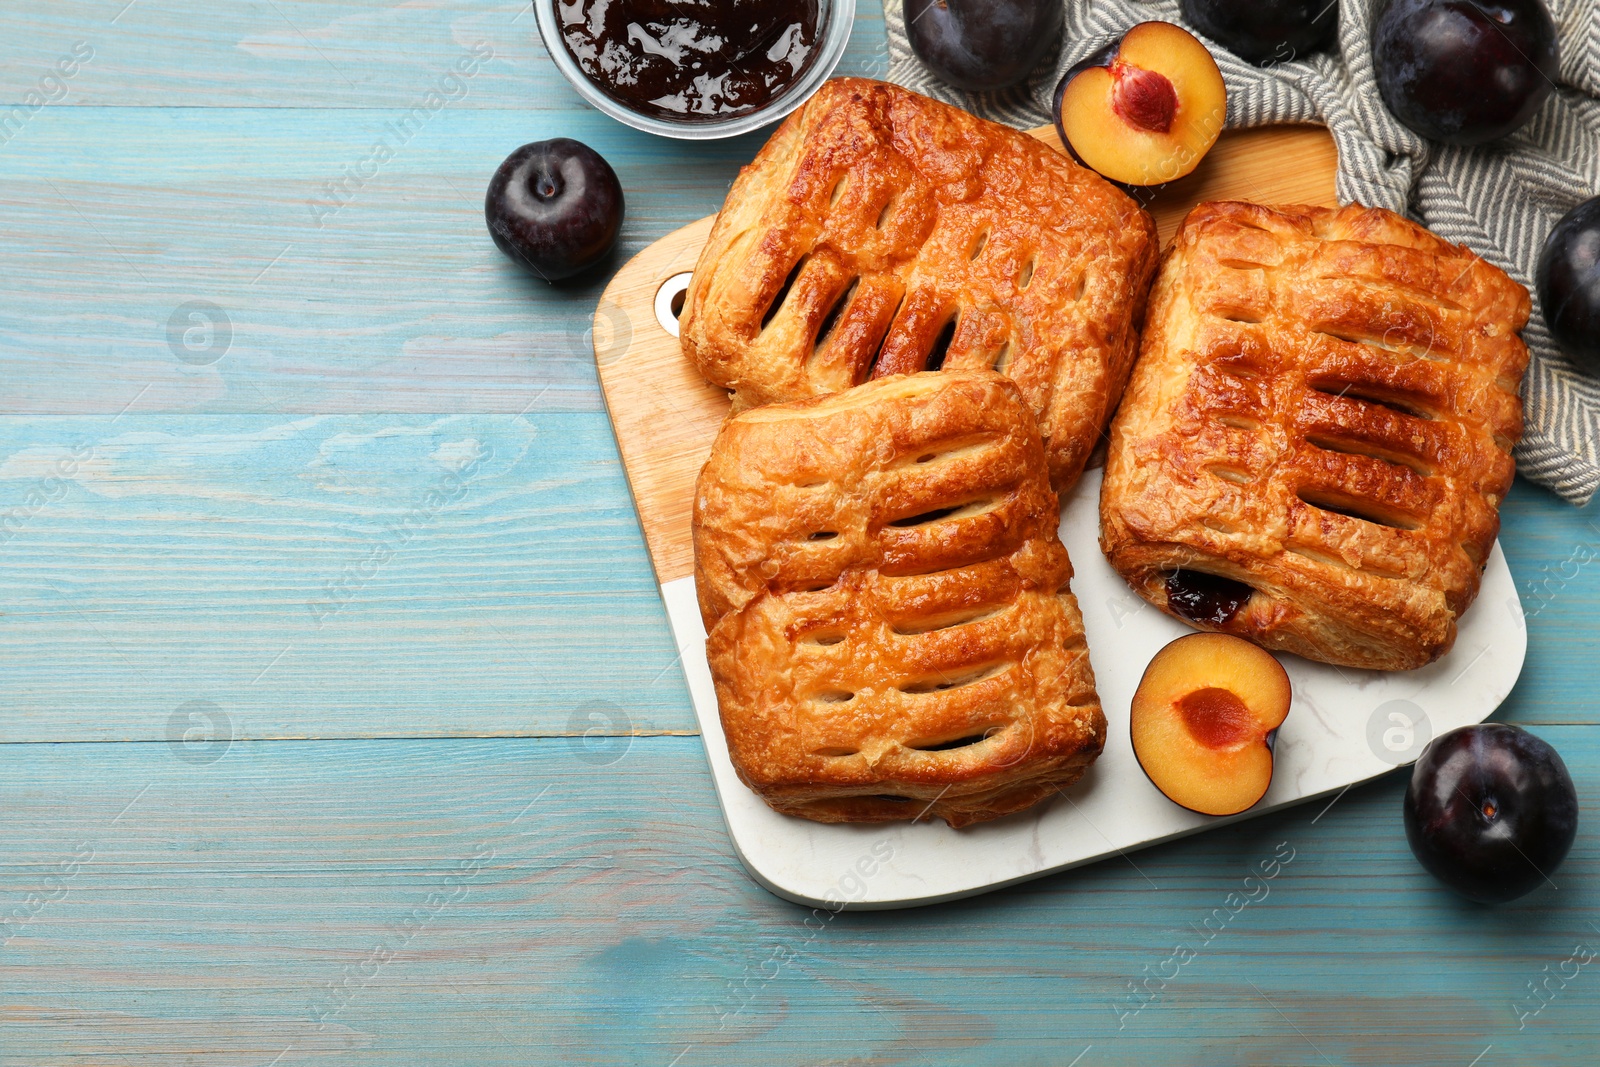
[{"x": 340, "y": 719}]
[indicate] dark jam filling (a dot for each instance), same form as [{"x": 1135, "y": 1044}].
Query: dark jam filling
[
  {"x": 691, "y": 60},
  {"x": 1205, "y": 598}
]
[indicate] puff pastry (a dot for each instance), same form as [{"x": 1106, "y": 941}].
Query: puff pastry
[
  {"x": 891, "y": 631},
  {"x": 880, "y": 232},
  {"x": 1323, "y": 409}
]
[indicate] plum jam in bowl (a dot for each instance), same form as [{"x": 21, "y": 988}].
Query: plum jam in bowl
[{"x": 696, "y": 69}]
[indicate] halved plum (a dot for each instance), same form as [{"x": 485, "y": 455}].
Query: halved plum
[
  {"x": 1145, "y": 110},
  {"x": 1204, "y": 719}
]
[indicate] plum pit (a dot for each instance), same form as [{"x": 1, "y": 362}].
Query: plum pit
[
  {"x": 1145, "y": 99},
  {"x": 1216, "y": 717}
]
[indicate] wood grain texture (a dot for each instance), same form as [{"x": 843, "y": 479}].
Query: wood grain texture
[
  {"x": 666, "y": 415},
  {"x": 396, "y": 302},
  {"x": 399, "y": 575},
  {"x": 305, "y": 54},
  {"x": 190, "y": 158},
  {"x": 508, "y": 902},
  {"x": 223, "y": 915}
]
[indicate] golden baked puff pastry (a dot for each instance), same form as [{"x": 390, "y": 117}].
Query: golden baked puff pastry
[
  {"x": 1317, "y": 436},
  {"x": 891, "y": 632},
  {"x": 880, "y": 232}
]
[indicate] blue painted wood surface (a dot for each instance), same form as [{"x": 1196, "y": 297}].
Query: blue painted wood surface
[{"x": 339, "y": 715}]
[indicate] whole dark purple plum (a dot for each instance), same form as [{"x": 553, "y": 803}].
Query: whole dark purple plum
[
  {"x": 555, "y": 207},
  {"x": 1491, "y": 811},
  {"x": 1464, "y": 71},
  {"x": 1264, "y": 32},
  {"x": 1568, "y": 280},
  {"x": 982, "y": 44}
]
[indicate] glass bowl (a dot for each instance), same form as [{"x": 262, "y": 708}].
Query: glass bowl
[{"x": 837, "y": 17}]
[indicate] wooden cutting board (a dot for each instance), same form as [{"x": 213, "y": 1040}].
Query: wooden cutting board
[
  {"x": 666, "y": 415},
  {"x": 1338, "y": 734}
]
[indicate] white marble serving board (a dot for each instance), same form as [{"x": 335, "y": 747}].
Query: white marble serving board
[{"x": 1344, "y": 726}]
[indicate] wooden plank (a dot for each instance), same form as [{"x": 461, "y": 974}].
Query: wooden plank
[
  {"x": 329, "y": 576},
  {"x": 304, "y": 54},
  {"x": 666, "y": 416},
  {"x": 507, "y": 902},
  {"x": 397, "y": 302}
]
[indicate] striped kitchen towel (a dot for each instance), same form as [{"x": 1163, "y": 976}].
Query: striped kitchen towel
[{"x": 1498, "y": 200}]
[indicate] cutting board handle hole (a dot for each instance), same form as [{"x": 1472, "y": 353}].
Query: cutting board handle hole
[{"x": 669, "y": 301}]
